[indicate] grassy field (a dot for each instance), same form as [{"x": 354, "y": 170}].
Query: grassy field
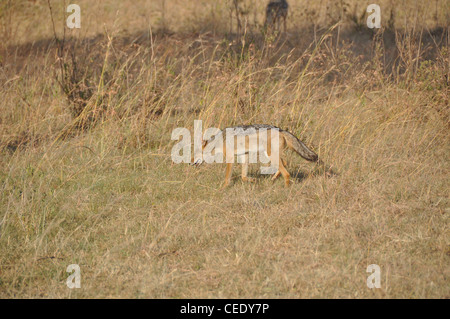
[{"x": 86, "y": 176}]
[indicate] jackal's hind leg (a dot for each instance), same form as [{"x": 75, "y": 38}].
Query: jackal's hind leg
[
  {"x": 285, "y": 174},
  {"x": 274, "y": 177},
  {"x": 278, "y": 173}
]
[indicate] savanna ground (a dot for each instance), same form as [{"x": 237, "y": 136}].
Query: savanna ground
[{"x": 86, "y": 176}]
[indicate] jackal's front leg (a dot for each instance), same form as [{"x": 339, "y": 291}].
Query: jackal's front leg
[
  {"x": 245, "y": 178},
  {"x": 245, "y": 162},
  {"x": 228, "y": 171}
]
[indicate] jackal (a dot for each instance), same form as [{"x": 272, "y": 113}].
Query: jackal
[
  {"x": 265, "y": 135},
  {"x": 275, "y": 11}
]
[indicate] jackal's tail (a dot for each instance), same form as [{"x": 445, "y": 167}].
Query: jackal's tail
[{"x": 298, "y": 146}]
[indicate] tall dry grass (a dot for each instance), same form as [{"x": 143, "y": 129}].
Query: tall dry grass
[{"x": 86, "y": 175}]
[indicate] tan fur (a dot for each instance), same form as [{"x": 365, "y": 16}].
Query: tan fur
[{"x": 286, "y": 141}]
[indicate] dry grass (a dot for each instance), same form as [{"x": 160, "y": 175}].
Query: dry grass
[{"x": 86, "y": 175}]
